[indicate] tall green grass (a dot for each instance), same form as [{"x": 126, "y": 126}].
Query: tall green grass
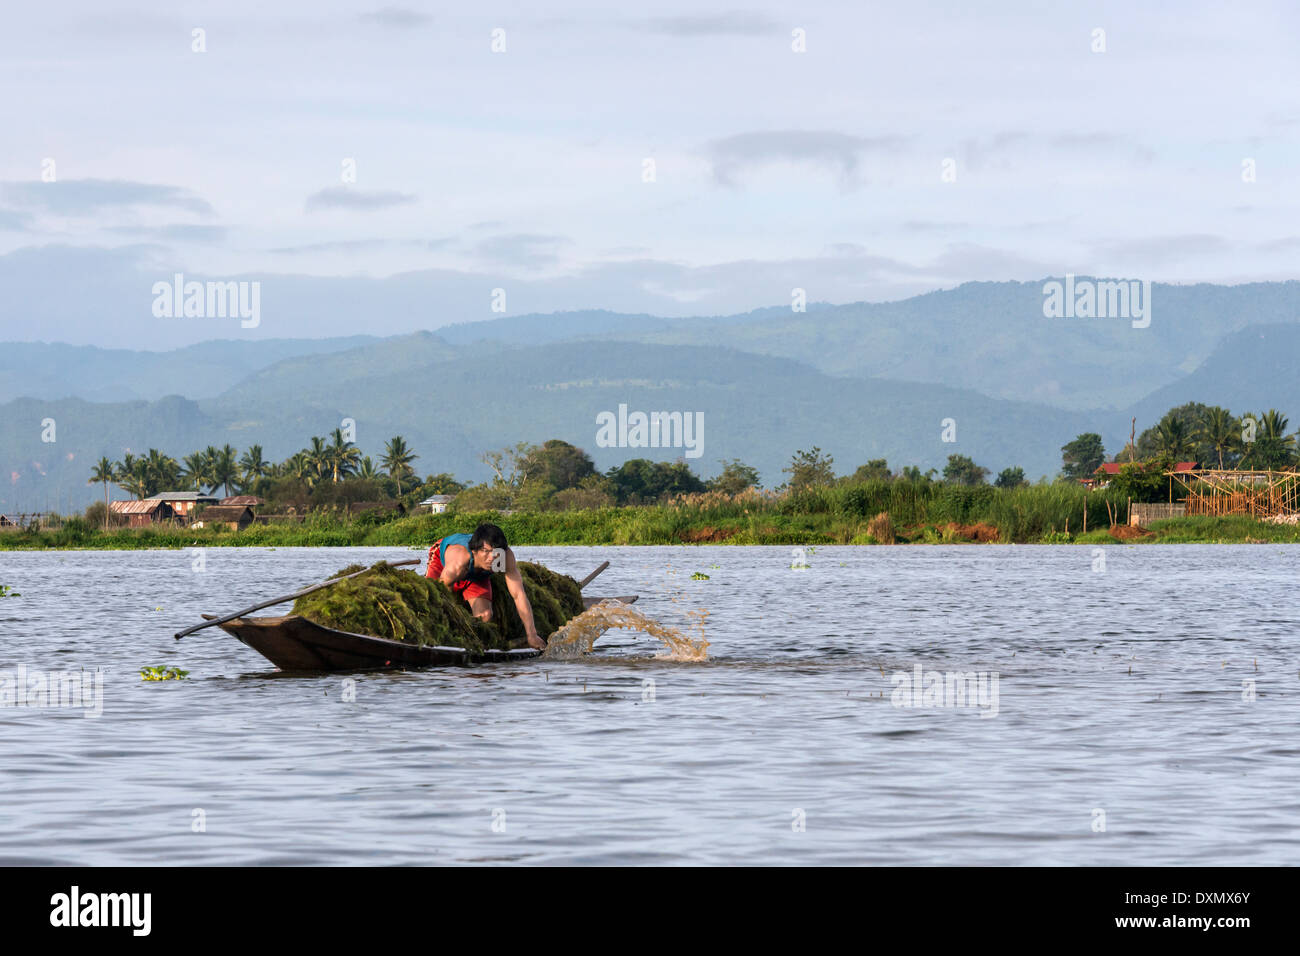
[{"x": 919, "y": 511}]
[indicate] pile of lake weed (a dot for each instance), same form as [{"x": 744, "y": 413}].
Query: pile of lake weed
[
  {"x": 555, "y": 599},
  {"x": 403, "y": 605}
]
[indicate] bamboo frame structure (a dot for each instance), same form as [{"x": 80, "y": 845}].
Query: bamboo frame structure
[{"x": 1261, "y": 494}]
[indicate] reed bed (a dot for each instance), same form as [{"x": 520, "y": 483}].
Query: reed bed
[{"x": 917, "y": 512}]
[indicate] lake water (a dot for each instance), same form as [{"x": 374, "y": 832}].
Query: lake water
[{"x": 1119, "y": 731}]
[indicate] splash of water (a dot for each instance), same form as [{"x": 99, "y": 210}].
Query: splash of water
[{"x": 579, "y": 635}]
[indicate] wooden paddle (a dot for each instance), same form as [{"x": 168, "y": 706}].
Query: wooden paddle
[
  {"x": 288, "y": 597},
  {"x": 592, "y": 576}
]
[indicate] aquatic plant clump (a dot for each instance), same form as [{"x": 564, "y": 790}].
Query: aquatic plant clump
[
  {"x": 163, "y": 673},
  {"x": 403, "y": 605},
  {"x": 555, "y": 599},
  {"x": 397, "y": 604}
]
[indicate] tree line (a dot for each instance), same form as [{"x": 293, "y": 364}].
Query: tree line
[
  {"x": 1209, "y": 435},
  {"x": 326, "y": 460},
  {"x": 556, "y": 475}
]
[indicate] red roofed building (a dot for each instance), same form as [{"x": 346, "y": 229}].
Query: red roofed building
[
  {"x": 1109, "y": 469},
  {"x": 141, "y": 513}
]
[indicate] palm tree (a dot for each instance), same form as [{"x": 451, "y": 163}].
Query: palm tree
[
  {"x": 132, "y": 476},
  {"x": 123, "y": 471},
  {"x": 1273, "y": 447},
  {"x": 225, "y": 468},
  {"x": 254, "y": 465},
  {"x": 1275, "y": 424},
  {"x": 397, "y": 459},
  {"x": 103, "y": 473},
  {"x": 1172, "y": 439},
  {"x": 299, "y": 466},
  {"x": 164, "y": 470},
  {"x": 198, "y": 471},
  {"x": 343, "y": 456},
  {"x": 1219, "y": 430},
  {"x": 367, "y": 469},
  {"x": 317, "y": 457}
]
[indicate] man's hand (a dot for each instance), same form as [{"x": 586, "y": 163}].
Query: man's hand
[{"x": 515, "y": 585}]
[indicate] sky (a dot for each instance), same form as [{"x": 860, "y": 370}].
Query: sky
[{"x": 381, "y": 168}]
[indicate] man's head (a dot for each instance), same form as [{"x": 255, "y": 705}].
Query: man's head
[{"x": 484, "y": 543}]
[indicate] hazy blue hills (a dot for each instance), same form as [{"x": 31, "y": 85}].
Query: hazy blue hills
[
  {"x": 53, "y": 370},
  {"x": 988, "y": 336},
  {"x": 860, "y": 381},
  {"x": 991, "y": 337},
  {"x": 451, "y": 407},
  {"x": 1255, "y": 369}
]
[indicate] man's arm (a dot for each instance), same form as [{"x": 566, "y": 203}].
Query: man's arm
[
  {"x": 515, "y": 584},
  {"x": 458, "y": 560}
]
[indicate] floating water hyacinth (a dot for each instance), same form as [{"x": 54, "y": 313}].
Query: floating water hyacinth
[
  {"x": 163, "y": 673},
  {"x": 699, "y": 576},
  {"x": 6, "y": 591}
]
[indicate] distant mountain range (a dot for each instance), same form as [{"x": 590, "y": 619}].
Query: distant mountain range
[
  {"x": 860, "y": 381},
  {"x": 991, "y": 337},
  {"x": 39, "y": 370}
]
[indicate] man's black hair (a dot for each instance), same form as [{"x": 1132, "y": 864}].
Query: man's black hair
[{"x": 487, "y": 533}]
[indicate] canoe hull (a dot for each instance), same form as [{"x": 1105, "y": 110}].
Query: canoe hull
[{"x": 294, "y": 643}]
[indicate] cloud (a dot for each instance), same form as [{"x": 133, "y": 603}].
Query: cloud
[
  {"x": 993, "y": 151},
  {"x": 1086, "y": 140},
  {"x": 84, "y": 197},
  {"x": 359, "y": 245},
  {"x": 925, "y": 226},
  {"x": 1159, "y": 249},
  {"x": 965, "y": 261},
  {"x": 395, "y": 17},
  {"x": 838, "y": 151},
  {"x": 976, "y": 153},
  {"x": 182, "y": 232},
  {"x": 14, "y": 221},
  {"x": 736, "y": 23},
  {"x": 1102, "y": 141},
  {"x": 345, "y": 197},
  {"x": 1285, "y": 244},
  {"x": 528, "y": 250}
]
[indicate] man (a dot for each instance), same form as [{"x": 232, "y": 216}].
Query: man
[{"x": 465, "y": 562}]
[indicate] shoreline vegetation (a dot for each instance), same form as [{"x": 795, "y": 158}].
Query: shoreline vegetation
[
  {"x": 872, "y": 513},
  {"x": 329, "y": 495}
]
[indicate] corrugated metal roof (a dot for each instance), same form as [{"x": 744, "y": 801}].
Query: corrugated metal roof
[
  {"x": 183, "y": 496},
  {"x": 249, "y": 500},
  {"x": 148, "y": 506}
]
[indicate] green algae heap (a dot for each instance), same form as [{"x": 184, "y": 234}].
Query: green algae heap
[{"x": 406, "y": 606}]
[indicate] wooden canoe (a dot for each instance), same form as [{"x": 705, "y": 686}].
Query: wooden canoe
[{"x": 293, "y": 643}]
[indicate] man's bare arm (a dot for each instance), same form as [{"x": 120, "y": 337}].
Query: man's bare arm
[
  {"x": 458, "y": 561},
  {"x": 515, "y": 584}
]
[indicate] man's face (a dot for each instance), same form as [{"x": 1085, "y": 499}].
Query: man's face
[{"x": 483, "y": 557}]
